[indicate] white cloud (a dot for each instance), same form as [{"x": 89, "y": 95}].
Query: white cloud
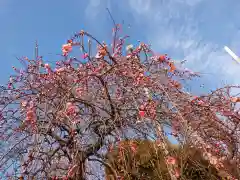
[
  {"x": 176, "y": 28},
  {"x": 195, "y": 30},
  {"x": 190, "y": 2},
  {"x": 95, "y": 7},
  {"x": 141, "y": 6}
]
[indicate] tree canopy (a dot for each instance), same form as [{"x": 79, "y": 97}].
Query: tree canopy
[{"x": 59, "y": 120}]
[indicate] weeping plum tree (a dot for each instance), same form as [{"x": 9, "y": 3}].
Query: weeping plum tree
[{"x": 59, "y": 120}]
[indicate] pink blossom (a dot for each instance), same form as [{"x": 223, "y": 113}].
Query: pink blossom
[
  {"x": 24, "y": 103},
  {"x": 142, "y": 107},
  {"x": 30, "y": 115},
  {"x": 47, "y": 66},
  {"x": 68, "y": 104},
  {"x": 9, "y": 85},
  {"x": 98, "y": 56},
  {"x": 235, "y": 99},
  {"x": 213, "y": 160},
  {"x": 133, "y": 147},
  {"x": 200, "y": 102},
  {"x": 79, "y": 91},
  {"x": 171, "y": 160},
  {"x": 66, "y": 48},
  {"x": 71, "y": 109},
  {"x": 85, "y": 55},
  {"x": 59, "y": 70},
  {"x": 177, "y": 173},
  {"x": 141, "y": 113},
  {"x": 76, "y": 121},
  {"x": 110, "y": 147}
]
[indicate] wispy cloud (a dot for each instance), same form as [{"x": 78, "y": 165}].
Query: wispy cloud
[
  {"x": 141, "y": 6},
  {"x": 177, "y": 28},
  {"x": 196, "y": 30},
  {"x": 95, "y": 7}
]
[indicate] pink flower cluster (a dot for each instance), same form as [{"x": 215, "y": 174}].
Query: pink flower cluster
[{"x": 71, "y": 109}]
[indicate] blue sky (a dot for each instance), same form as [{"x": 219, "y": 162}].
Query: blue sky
[{"x": 195, "y": 30}]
